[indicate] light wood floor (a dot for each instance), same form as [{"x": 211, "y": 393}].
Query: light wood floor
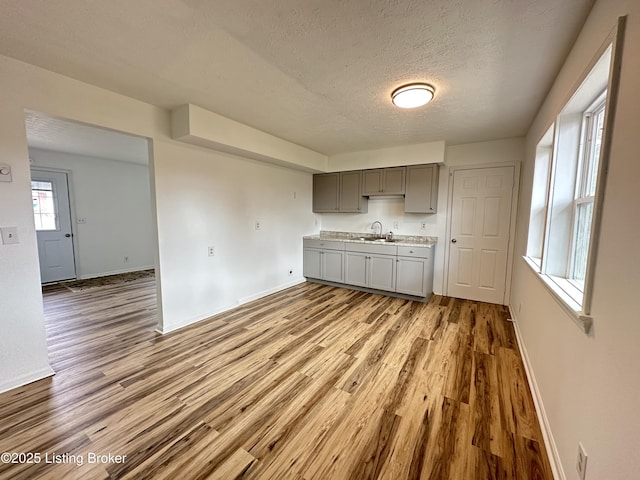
[{"x": 313, "y": 382}]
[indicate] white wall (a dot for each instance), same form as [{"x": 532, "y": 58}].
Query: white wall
[
  {"x": 214, "y": 199},
  {"x": 416, "y": 154},
  {"x": 203, "y": 198},
  {"x": 589, "y": 386},
  {"x": 23, "y": 348},
  {"x": 114, "y": 199},
  {"x": 390, "y": 210}
]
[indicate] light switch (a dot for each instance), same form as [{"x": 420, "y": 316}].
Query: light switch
[
  {"x": 9, "y": 235},
  {"x": 5, "y": 173}
]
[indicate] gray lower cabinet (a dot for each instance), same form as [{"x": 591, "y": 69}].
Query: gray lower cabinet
[
  {"x": 414, "y": 272},
  {"x": 382, "y": 272},
  {"x": 355, "y": 268},
  {"x": 391, "y": 268},
  {"x": 323, "y": 264},
  {"x": 370, "y": 270},
  {"x": 323, "y": 260}
]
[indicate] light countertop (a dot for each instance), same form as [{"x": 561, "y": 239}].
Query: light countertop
[{"x": 356, "y": 237}]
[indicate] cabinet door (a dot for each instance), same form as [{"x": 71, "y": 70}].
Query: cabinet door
[
  {"x": 422, "y": 189},
  {"x": 382, "y": 272},
  {"x": 332, "y": 267},
  {"x": 351, "y": 199},
  {"x": 411, "y": 276},
  {"x": 393, "y": 181},
  {"x": 355, "y": 268},
  {"x": 372, "y": 182},
  {"x": 311, "y": 263},
  {"x": 326, "y": 192}
]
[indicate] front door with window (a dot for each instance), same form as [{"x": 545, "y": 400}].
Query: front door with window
[
  {"x": 52, "y": 214},
  {"x": 480, "y": 224}
]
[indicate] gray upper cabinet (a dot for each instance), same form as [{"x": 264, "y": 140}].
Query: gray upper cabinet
[
  {"x": 348, "y": 192},
  {"x": 351, "y": 199},
  {"x": 384, "y": 181},
  {"x": 421, "y": 189},
  {"x": 326, "y": 192},
  {"x": 338, "y": 192}
]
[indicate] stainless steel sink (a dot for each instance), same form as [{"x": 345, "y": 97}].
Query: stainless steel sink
[{"x": 375, "y": 239}]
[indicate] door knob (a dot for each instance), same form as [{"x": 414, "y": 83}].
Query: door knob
[
  {"x": 453, "y": 240},
  {"x": 67, "y": 235}
]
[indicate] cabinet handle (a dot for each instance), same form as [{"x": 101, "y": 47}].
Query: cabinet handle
[{"x": 410, "y": 251}]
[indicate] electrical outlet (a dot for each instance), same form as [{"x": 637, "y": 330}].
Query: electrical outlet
[
  {"x": 395, "y": 225},
  {"x": 82, "y": 220},
  {"x": 257, "y": 225},
  {"x": 211, "y": 251},
  {"x": 581, "y": 462},
  {"x": 423, "y": 226}
]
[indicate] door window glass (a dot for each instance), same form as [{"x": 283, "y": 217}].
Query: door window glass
[{"x": 44, "y": 206}]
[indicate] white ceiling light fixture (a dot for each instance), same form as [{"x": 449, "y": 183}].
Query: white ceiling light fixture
[{"x": 412, "y": 95}]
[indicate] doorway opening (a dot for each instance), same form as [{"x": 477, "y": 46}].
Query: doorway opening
[{"x": 92, "y": 204}]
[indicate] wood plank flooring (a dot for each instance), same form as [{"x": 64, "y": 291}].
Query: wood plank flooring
[{"x": 313, "y": 382}]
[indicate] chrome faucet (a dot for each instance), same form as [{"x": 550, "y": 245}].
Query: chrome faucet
[{"x": 373, "y": 225}]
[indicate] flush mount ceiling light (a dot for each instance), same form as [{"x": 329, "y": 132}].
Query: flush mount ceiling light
[{"x": 412, "y": 95}]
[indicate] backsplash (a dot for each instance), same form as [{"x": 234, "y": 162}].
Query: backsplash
[{"x": 389, "y": 211}]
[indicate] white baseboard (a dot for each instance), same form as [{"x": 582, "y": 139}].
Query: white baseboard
[
  {"x": 264, "y": 293},
  {"x": 25, "y": 379},
  {"x": 116, "y": 272},
  {"x": 547, "y": 434},
  {"x": 205, "y": 316},
  {"x": 193, "y": 320}
]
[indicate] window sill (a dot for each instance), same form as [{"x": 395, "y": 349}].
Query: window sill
[{"x": 568, "y": 304}]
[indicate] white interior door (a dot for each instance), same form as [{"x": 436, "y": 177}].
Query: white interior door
[
  {"x": 480, "y": 223},
  {"x": 52, "y": 214}
]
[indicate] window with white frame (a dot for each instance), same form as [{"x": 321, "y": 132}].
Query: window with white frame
[
  {"x": 592, "y": 126},
  {"x": 568, "y": 183}
]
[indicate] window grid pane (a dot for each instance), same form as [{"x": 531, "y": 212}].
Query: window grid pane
[
  {"x": 594, "y": 161},
  {"x": 584, "y": 214},
  {"x": 44, "y": 206}
]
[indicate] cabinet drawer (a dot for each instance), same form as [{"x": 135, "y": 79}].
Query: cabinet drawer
[
  {"x": 326, "y": 244},
  {"x": 381, "y": 249},
  {"x": 420, "y": 252}
]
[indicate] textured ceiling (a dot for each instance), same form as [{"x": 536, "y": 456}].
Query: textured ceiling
[
  {"x": 318, "y": 72},
  {"x": 49, "y": 133}
]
